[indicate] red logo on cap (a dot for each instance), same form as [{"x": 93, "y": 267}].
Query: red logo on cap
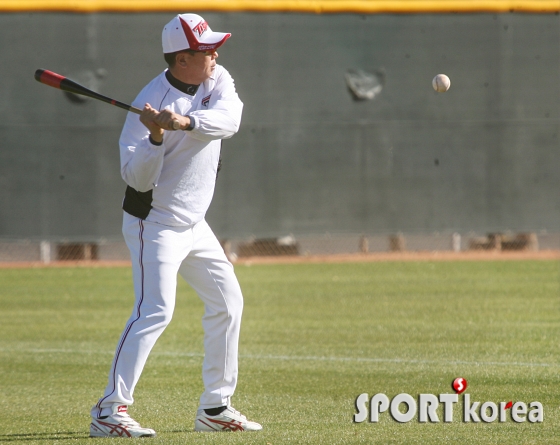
[{"x": 201, "y": 28}]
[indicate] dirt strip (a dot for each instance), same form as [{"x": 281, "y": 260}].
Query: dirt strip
[
  {"x": 340, "y": 258},
  {"x": 405, "y": 256}
]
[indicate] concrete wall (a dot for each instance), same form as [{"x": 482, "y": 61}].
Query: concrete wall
[{"x": 308, "y": 158}]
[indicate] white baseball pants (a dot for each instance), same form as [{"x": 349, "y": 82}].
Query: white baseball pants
[{"x": 158, "y": 254}]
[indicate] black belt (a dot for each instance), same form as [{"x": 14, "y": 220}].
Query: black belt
[{"x": 137, "y": 203}]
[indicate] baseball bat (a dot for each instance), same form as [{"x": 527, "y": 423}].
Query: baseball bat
[{"x": 63, "y": 83}]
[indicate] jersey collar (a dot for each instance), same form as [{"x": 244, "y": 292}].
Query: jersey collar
[{"x": 186, "y": 88}]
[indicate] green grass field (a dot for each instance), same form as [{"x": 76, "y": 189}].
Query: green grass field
[{"x": 314, "y": 337}]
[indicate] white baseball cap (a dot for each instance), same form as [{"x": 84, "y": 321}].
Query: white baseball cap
[{"x": 190, "y": 31}]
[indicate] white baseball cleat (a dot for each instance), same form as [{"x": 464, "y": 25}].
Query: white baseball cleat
[
  {"x": 228, "y": 420},
  {"x": 118, "y": 424}
]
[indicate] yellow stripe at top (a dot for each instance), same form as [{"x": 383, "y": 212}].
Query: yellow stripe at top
[{"x": 302, "y": 6}]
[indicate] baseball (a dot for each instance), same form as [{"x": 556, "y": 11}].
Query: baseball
[{"x": 441, "y": 83}]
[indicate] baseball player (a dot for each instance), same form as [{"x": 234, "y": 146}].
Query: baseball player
[{"x": 170, "y": 178}]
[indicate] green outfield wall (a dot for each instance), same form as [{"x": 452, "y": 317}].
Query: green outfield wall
[{"x": 309, "y": 157}]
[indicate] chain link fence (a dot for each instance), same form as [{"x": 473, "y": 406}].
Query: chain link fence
[{"x": 111, "y": 250}]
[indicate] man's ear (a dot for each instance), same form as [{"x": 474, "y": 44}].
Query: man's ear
[{"x": 181, "y": 59}]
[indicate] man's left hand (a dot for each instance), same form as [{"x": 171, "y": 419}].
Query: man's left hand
[{"x": 166, "y": 118}]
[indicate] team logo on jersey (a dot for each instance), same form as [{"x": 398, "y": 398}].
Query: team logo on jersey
[
  {"x": 122, "y": 409},
  {"x": 200, "y": 28},
  {"x": 206, "y": 100}
]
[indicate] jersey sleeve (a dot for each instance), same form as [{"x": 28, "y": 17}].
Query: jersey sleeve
[
  {"x": 223, "y": 117},
  {"x": 141, "y": 161}
]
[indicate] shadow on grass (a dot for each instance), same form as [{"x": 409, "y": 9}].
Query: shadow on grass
[
  {"x": 44, "y": 436},
  {"x": 62, "y": 435}
]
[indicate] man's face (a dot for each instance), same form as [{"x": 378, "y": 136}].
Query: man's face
[{"x": 201, "y": 65}]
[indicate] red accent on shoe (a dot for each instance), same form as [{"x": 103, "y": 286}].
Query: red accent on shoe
[
  {"x": 208, "y": 425},
  {"x": 120, "y": 430},
  {"x": 232, "y": 426}
]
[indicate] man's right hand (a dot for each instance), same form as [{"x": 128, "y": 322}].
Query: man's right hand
[{"x": 150, "y": 118}]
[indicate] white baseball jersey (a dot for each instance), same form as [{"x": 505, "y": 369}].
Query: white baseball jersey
[{"x": 176, "y": 180}]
